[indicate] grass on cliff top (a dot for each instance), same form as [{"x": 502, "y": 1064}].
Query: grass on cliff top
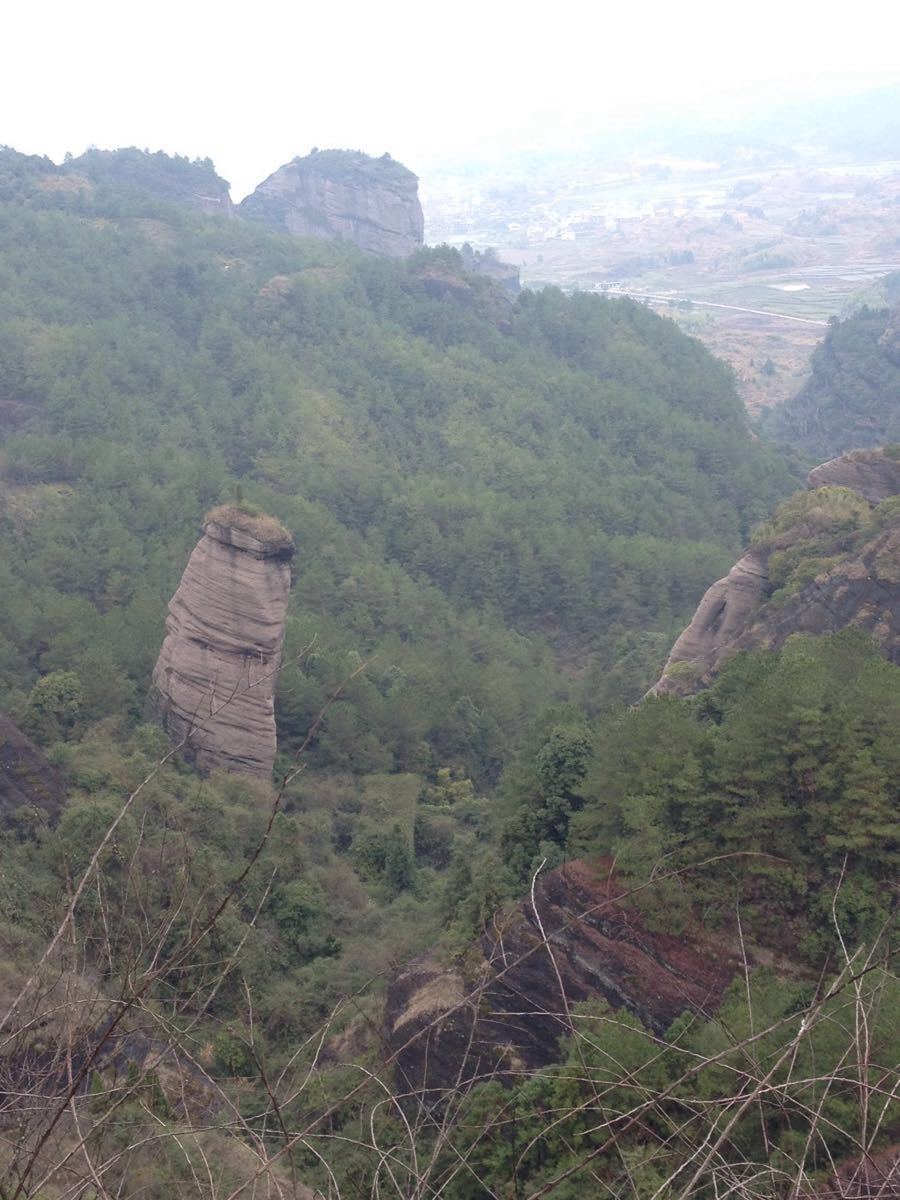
[
  {"x": 821, "y": 511},
  {"x": 259, "y": 525}
]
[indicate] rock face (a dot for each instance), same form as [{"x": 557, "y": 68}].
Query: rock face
[
  {"x": 371, "y": 202},
  {"x": 215, "y": 676},
  {"x": 857, "y": 582},
  {"x": 874, "y": 474},
  {"x": 721, "y": 616},
  {"x": 27, "y": 778},
  {"x": 501, "y": 1008}
]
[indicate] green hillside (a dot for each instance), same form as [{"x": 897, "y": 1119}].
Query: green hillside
[
  {"x": 469, "y": 484},
  {"x": 505, "y": 510},
  {"x": 852, "y": 398}
]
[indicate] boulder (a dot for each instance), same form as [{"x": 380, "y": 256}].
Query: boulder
[{"x": 721, "y": 616}]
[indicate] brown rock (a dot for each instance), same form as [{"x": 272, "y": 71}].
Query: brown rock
[
  {"x": 721, "y": 616},
  {"x": 216, "y": 672},
  {"x": 502, "y": 1008},
  {"x": 863, "y": 591},
  {"x": 371, "y": 202},
  {"x": 873, "y": 474},
  {"x": 861, "y": 588}
]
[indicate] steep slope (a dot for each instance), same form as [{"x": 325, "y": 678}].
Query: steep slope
[
  {"x": 217, "y": 670},
  {"x": 371, "y": 202},
  {"x": 501, "y": 1007},
  {"x": 853, "y": 395},
  {"x": 27, "y": 778},
  {"x": 824, "y": 563}
]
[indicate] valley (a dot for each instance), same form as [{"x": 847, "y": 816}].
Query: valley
[
  {"x": 357, "y": 836},
  {"x": 752, "y": 258}
]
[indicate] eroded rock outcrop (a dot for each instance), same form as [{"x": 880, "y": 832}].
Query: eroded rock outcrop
[
  {"x": 874, "y": 474},
  {"x": 501, "y": 1008},
  {"x": 215, "y": 676},
  {"x": 826, "y": 562},
  {"x": 371, "y": 202}
]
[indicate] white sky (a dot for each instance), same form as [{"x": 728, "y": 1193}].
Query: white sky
[{"x": 255, "y": 84}]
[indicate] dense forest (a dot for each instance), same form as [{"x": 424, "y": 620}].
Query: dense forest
[
  {"x": 852, "y": 398},
  {"x": 503, "y": 511},
  {"x": 468, "y": 484}
]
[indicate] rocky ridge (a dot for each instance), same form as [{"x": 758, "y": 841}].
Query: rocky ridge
[
  {"x": 853, "y": 557},
  {"x": 168, "y": 177},
  {"x": 215, "y": 676},
  {"x": 343, "y": 194},
  {"x": 500, "y": 1009}
]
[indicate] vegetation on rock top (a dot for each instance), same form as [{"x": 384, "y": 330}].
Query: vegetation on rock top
[{"x": 259, "y": 525}]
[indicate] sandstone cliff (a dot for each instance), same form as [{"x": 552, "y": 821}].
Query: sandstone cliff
[
  {"x": 501, "y": 1007},
  {"x": 875, "y": 474},
  {"x": 829, "y": 559},
  {"x": 215, "y": 676},
  {"x": 371, "y": 202}
]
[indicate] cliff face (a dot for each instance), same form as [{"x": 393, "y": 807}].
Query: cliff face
[
  {"x": 851, "y": 559},
  {"x": 501, "y": 1008},
  {"x": 216, "y": 672},
  {"x": 372, "y": 202},
  {"x": 874, "y": 474}
]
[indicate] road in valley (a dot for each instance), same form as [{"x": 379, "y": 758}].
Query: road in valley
[{"x": 757, "y": 312}]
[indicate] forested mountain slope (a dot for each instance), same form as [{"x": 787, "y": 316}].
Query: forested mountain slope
[
  {"x": 461, "y": 478},
  {"x": 852, "y": 398},
  {"x": 479, "y": 491}
]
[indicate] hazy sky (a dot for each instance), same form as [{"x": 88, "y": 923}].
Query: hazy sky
[{"x": 251, "y": 86}]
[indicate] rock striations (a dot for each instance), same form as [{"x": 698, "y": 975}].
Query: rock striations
[
  {"x": 215, "y": 676},
  {"x": 371, "y": 202},
  {"x": 830, "y": 559},
  {"x": 497, "y": 1009},
  {"x": 874, "y": 474}
]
